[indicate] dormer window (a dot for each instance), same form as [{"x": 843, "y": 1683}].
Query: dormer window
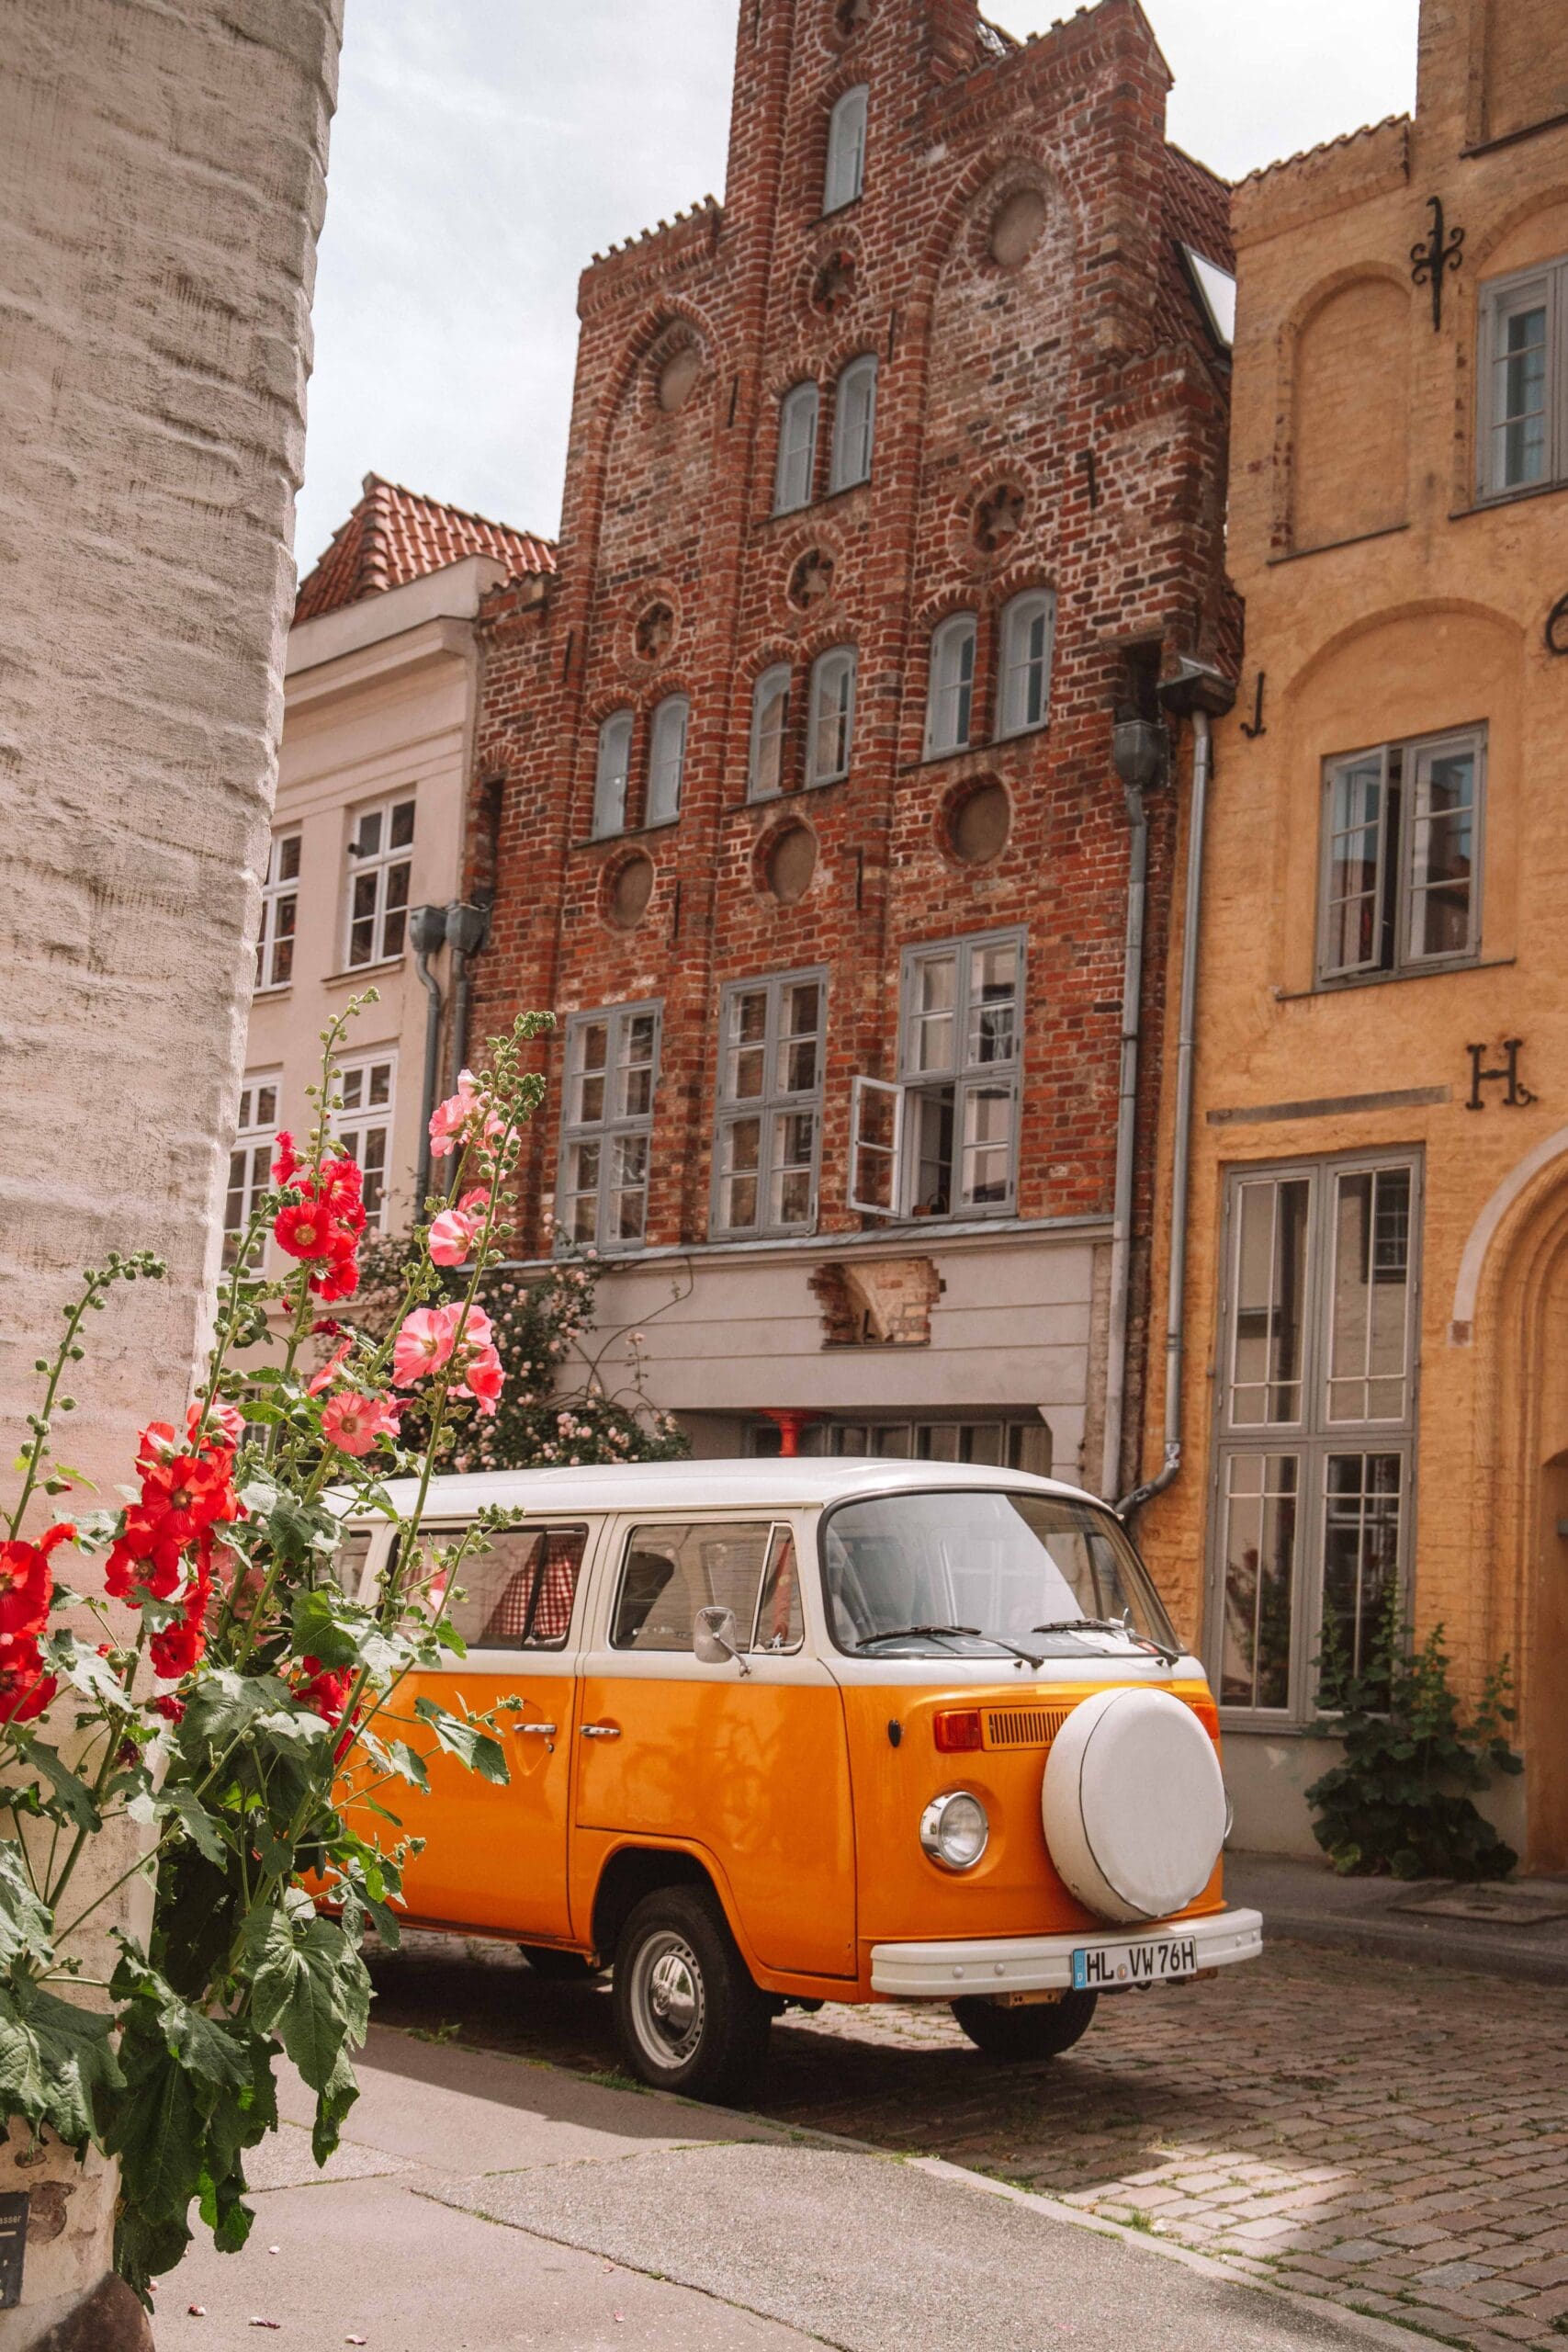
[
  {"x": 846, "y": 149},
  {"x": 795, "y": 478}
]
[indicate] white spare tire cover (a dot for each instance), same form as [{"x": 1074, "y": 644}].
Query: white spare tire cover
[{"x": 1133, "y": 1804}]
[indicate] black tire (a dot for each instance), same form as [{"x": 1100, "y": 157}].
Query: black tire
[
  {"x": 688, "y": 2015},
  {"x": 1039, "y": 2030},
  {"x": 558, "y": 1967}
]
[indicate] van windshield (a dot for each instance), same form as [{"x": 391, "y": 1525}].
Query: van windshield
[{"x": 964, "y": 1573}]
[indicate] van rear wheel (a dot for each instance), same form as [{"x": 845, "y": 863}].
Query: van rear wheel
[
  {"x": 1038, "y": 2030},
  {"x": 688, "y": 2017}
]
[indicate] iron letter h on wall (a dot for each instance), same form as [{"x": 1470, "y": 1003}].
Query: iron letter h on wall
[
  {"x": 1506, "y": 1074},
  {"x": 1434, "y": 255}
]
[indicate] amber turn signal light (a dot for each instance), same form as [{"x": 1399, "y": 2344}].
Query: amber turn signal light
[{"x": 958, "y": 1730}]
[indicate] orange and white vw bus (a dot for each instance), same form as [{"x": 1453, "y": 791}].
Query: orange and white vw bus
[{"x": 822, "y": 1730}]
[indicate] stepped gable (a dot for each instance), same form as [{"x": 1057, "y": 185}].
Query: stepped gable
[{"x": 395, "y": 535}]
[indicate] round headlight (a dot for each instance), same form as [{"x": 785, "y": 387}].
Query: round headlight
[{"x": 954, "y": 1829}]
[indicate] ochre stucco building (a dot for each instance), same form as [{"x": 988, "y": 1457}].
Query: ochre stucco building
[
  {"x": 1376, "y": 1369},
  {"x": 892, "y": 479}
]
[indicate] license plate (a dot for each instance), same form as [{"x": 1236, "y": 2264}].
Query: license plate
[{"x": 1103, "y": 1968}]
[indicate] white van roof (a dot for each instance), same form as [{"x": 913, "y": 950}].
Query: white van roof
[{"x": 797, "y": 1481}]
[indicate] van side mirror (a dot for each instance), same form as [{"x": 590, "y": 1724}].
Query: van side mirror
[{"x": 715, "y": 1639}]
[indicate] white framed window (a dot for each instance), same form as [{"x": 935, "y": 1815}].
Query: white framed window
[
  {"x": 612, "y": 1070},
  {"x": 854, "y": 424},
  {"x": 1029, "y": 628},
  {"x": 249, "y": 1162},
  {"x": 1522, "y": 428},
  {"x": 611, "y": 774},
  {"x": 667, "y": 759},
  {"x": 364, "y": 1125},
  {"x": 769, "y": 733},
  {"x": 381, "y": 867},
  {"x": 1001, "y": 1444},
  {"x": 1401, "y": 873},
  {"x": 769, "y": 1104},
  {"x": 941, "y": 1140},
  {"x": 831, "y": 727},
  {"x": 1316, "y": 1429},
  {"x": 949, "y": 693},
  {"x": 279, "y": 913},
  {"x": 845, "y": 176},
  {"x": 795, "y": 479}
]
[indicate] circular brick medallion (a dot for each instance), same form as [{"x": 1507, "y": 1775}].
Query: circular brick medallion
[
  {"x": 811, "y": 581},
  {"x": 851, "y": 16},
  {"x": 999, "y": 517},
  {"x": 833, "y": 287},
  {"x": 789, "y": 860},
  {"x": 625, "y": 890},
  {"x": 976, "y": 820},
  {"x": 654, "y": 633}
]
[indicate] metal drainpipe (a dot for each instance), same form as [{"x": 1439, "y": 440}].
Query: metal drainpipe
[
  {"x": 468, "y": 928},
  {"x": 1181, "y": 1140},
  {"x": 428, "y": 931},
  {"x": 1126, "y": 1143}
]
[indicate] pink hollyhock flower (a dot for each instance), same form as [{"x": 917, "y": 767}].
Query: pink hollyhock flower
[
  {"x": 424, "y": 1343},
  {"x": 477, "y": 1330},
  {"x": 329, "y": 1371},
  {"x": 355, "y": 1424},
  {"x": 475, "y": 1202},
  {"x": 225, "y": 1425},
  {"x": 464, "y": 1117},
  {"x": 452, "y": 1238},
  {"x": 483, "y": 1379}
]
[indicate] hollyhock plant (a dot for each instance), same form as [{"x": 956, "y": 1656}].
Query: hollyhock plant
[{"x": 223, "y": 1691}]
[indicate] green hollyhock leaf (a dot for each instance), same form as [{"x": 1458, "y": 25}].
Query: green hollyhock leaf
[
  {"x": 26, "y": 1925},
  {"x": 480, "y": 1752},
  {"x": 56, "y": 2061}
]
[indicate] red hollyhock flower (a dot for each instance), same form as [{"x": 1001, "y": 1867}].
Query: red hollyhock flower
[
  {"x": 25, "y": 1690},
  {"x": 285, "y": 1159},
  {"x": 176, "y": 1650},
  {"x": 189, "y": 1493},
  {"x": 27, "y": 1583},
  {"x": 341, "y": 1279},
  {"x": 304, "y": 1229},
  {"x": 165, "y": 1704}
]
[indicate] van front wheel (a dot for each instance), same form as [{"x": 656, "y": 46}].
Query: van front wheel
[
  {"x": 688, "y": 2017},
  {"x": 1038, "y": 2030}
]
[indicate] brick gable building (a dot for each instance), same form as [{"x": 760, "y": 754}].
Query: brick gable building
[{"x": 891, "y": 480}]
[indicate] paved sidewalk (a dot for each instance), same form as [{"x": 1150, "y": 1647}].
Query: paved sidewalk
[
  {"x": 1517, "y": 1930},
  {"x": 481, "y": 2204}
]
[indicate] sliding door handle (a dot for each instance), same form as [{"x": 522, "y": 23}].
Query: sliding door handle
[
  {"x": 539, "y": 1731},
  {"x": 601, "y": 1731}
]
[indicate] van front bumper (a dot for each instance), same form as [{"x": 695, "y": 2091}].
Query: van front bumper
[{"x": 949, "y": 1971}]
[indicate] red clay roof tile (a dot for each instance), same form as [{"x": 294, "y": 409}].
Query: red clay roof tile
[{"x": 395, "y": 535}]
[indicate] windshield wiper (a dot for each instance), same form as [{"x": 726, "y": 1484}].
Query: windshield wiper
[
  {"x": 917, "y": 1633},
  {"x": 1111, "y": 1625}
]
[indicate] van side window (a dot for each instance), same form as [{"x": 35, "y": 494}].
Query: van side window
[
  {"x": 348, "y": 1560},
  {"x": 519, "y": 1594},
  {"x": 672, "y": 1571}
]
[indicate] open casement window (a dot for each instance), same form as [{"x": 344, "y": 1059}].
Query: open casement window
[
  {"x": 1402, "y": 830},
  {"x": 380, "y": 867},
  {"x": 769, "y": 1106},
  {"x": 249, "y": 1162},
  {"x": 794, "y": 481},
  {"x": 943, "y": 1141},
  {"x": 831, "y": 727},
  {"x": 769, "y": 733},
  {"x": 854, "y": 424},
  {"x": 667, "y": 759},
  {"x": 950, "y": 696},
  {"x": 280, "y": 913},
  {"x": 1522, "y": 429},
  {"x": 1316, "y": 1427},
  {"x": 672, "y": 1571},
  {"x": 1027, "y": 630},
  {"x": 845, "y": 176},
  {"x": 611, "y": 774},
  {"x": 364, "y": 1125},
  {"x": 612, "y": 1069}
]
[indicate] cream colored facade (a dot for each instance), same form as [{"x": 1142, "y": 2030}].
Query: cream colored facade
[
  {"x": 1401, "y": 553},
  {"x": 379, "y": 718},
  {"x": 161, "y": 188}
]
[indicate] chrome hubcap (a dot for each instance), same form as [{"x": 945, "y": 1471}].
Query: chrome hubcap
[{"x": 667, "y": 2004}]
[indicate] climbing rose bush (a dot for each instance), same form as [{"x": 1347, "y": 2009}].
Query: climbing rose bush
[{"x": 225, "y": 1697}]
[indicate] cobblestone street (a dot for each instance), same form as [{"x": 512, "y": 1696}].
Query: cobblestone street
[{"x": 1393, "y": 2137}]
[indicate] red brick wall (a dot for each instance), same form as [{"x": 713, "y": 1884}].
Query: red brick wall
[{"x": 1092, "y": 346}]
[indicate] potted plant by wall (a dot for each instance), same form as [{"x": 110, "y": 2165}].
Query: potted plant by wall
[{"x": 228, "y": 1695}]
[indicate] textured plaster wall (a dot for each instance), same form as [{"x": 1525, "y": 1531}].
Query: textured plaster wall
[{"x": 160, "y": 188}]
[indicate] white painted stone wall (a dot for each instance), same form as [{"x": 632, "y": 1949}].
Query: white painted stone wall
[{"x": 161, "y": 173}]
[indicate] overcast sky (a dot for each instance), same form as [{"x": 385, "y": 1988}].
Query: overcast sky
[{"x": 484, "y": 149}]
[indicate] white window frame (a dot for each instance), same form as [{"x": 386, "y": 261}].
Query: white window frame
[
  {"x": 950, "y": 689},
  {"x": 896, "y": 1151},
  {"x": 356, "y": 1125},
  {"x": 854, "y": 424},
  {"x": 667, "y": 738},
  {"x": 830, "y": 717},
  {"x": 1018, "y": 664},
  {"x": 250, "y": 1161},
  {"x": 844, "y": 179},
  {"x": 616, "y": 1126},
  {"x": 612, "y": 774},
  {"x": 776, "y": 1101},
  {"x": 1403, "y": 766},
  {"x": 1543, "y": 288},
  {"x": 390, "y": 868},
  {"x": 775, "y": 687},
  {"x": 279, "y": 930},
  {"x": 1305, "y": 1439},
  {"x": 794, "y": 474}
]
